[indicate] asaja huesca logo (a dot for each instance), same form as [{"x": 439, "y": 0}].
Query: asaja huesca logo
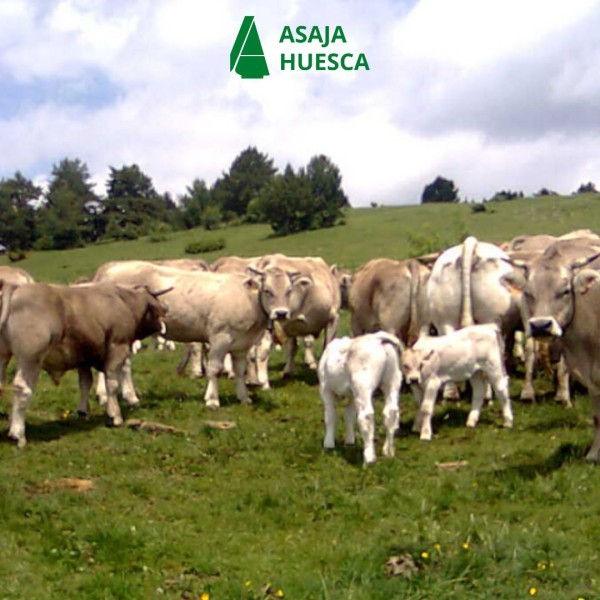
[
  {"x": 247, "y": 56},
  {"x": 248, "y": 59}
]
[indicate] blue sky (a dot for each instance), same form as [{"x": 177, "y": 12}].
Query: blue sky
[{"x": 501, "y": 94}]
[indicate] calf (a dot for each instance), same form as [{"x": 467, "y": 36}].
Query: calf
[
  {"x": 358, "y": 367},
  {"x": 473, "y": 353}
]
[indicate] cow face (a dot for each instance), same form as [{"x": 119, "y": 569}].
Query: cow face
[
  {"x": 275, "y": 289},
  {"x": 414, "y": 364},
  {"x": 154, "y": 315}
]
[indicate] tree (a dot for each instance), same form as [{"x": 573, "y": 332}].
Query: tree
[
  {"x": 249, "y": 173},
  {"x": 587, "y": 188},
  {"x": 70, "y": 217},
  {"x": 18, "y": 228},
  {"x": 286, "y": 202},
  {"x": 197, "y": 207},
  {"x": 132, "y": 206},
  {"x": 440, "y": 190},
  {"x": 326, "y": 186}
]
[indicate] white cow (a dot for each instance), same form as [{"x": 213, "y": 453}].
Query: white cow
[
  {"x": 358, "y": 367},
  {"x": 473, "y": 353}
]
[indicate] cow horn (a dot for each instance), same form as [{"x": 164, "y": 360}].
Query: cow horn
[
  {"x": 254, "y": 271},
  {"x": 160, "y": 292},
  {"x": 518, "y": 264},
  {"x": 582, "y": 262},
  {"x": 294, "y": 275}
]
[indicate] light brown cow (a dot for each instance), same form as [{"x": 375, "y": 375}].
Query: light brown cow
[
  {"x": 390, "y": 295},
  {"x": 229, "y": 311},
  {"x": 60, "y": 328},
  {"x": 314, "y": 304},
  {"x": 561, "y": 299}
]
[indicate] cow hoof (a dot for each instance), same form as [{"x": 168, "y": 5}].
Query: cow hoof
[
  {"x": 212, "y": 404},
  {"x": 508, "y": 424},
  {"x": 425, "y": 437},
  {"x": 246, "y": 401},
  {"x": 114, "y": 421},
  {"x": 566, "y": 402},
  {"x": 82, "y": 414}
]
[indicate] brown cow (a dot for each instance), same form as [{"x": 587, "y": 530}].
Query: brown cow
[{"x": 60, "y": 328}]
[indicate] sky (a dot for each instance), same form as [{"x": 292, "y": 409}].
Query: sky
[{"x": 495, "y": 94}]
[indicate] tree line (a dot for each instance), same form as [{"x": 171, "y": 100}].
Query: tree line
[{"x": 70, "y": 214}]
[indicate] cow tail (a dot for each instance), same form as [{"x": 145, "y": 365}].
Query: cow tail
[
  {"x": 466, "y": 311},
  {"x": 389, "y": 338},
  {"x": 415, "y": 283},
  {"x": 6, "y": 292}
]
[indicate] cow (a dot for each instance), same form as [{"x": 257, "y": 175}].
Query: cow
[
  {"x": 230, "y": 311},
  {"x": 357, "y": 367},
  {"x": 389, "y": 295},
  {"x": 60, "y": 328},
  {"x": 473, "y": 353},
  {"x": 467, "y": 287},
  {"x": 561, "y": 300},
  {"x": 314, "y": 304},
  {"x": 14, "y": 277}
]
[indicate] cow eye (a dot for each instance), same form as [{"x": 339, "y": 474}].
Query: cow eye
[
  {"x": 563, "y": 293},
  {"x": 268, "y": 293},
  {"x": 528, "y": 296}
]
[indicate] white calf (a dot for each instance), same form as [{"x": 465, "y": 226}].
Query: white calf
[
  {"x": 473, "y": 353},
  {"x": 357, "y": 367}
]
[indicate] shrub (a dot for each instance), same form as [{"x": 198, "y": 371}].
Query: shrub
[
  {"x": 16, "y": 255},
  {"x": 157, "y": 238},
  {"x": 203, "y": 246},
  {"x": 478, "y": 207}
]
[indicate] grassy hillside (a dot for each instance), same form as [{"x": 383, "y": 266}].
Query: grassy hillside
[
  {"x": 368, "y": 233},
  {"x": 261, "y": 511}
]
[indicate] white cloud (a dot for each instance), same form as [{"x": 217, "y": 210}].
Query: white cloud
[{"x": 495, "y": 94}]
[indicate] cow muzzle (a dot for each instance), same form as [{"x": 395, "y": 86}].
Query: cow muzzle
[
  {"x": 163, "y": 327},
  {"x": 544, "y": 327},
  {"x": 413, "y": 380},
  {"x": 279, "y": 314}
]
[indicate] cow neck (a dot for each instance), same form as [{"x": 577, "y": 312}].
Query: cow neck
[{"x": 260, "y": 303}]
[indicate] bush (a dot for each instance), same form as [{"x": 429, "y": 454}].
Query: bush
[
  {"x": 16, "y": 255},
  {"x": 203, "y": 246},
  {"x": 478, "y": 207},
  {"x": 157, "y": 238}
]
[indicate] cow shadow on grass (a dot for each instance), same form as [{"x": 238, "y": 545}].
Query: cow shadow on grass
[
  {"x": 55, "y": 429},
  {"x": 565, "y": 454}
]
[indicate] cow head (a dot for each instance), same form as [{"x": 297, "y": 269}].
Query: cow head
[
  {"x": 274, "y": 287},
  {"x": 549, "y": 287},
  {"x": 153, "y": 313},
  {"x": 415, "y": 364}
]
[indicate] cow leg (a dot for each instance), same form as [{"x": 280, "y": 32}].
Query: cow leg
[
  {"x": 563, "y": 392},
  {"x": 310, "y": 359},
  {"x": 350, "y": 417},
  {"x": 451, "y": 391},
  {"x": 366, "y": 425},
  {"x": 594, "y": 452},
  {"x": 5, "y": 357},
  {"x": 291, "y": 347},
  {"x": 427, "y": 407},
  {"x": 113, "y": 367},
  {"x": 391, "y": 415},
  {"x": 101, "y": 392},
  {"x": 528, "y": 392},
  {"x": 500, "y": 385},
  {"x": 478, "y": 387},
  {"x": 85, "y": 385},
  {"x": 219, "y": 347},
  {"x": 192, "y": 354},
  {"x": 261, "y": 360},
  {"x": 127, "y": 387},
  {"x": 239, "y": 372},
  {"x": 329, "y": 417},
  {"x": 24, "y": 384},
  {"x": 228, "y": 366},
  {"x": 330, "y": 330}
]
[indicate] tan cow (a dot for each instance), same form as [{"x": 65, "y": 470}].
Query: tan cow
[
  {"x": 60, "y": 328},
  {"x": 314, "y": 304},
  {"x": 228, "y": 310},
  {"x": 390, "y": 295}
]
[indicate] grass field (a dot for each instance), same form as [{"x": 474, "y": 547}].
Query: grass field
[{"x": 260, "y": 510}]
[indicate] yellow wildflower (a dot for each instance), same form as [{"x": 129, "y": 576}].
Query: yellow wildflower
[
  {"x": 542, "y": 565},
  {"x": 425, "y": 555},
  {"x": 279, "y": 593},
  {"x": 532, "y": 591},
  {"x": 204, "y": 596},
  {"x": 438, "y": 547},
  {"x": 247, "y": 583},
  {"x": 465, "y": 545}
]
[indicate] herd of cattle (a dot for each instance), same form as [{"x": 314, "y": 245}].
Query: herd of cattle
[{"x": 434, "y": 321}]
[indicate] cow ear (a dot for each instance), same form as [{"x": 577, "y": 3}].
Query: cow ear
[
  {"x": 584, "y": 280},
  {"x": 251, "y": 284},
  {"x": 303, "y": 282},
  {"x": 514, "y": 282}
]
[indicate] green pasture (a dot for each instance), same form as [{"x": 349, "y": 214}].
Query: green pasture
[{"x": 260, "y": 510}]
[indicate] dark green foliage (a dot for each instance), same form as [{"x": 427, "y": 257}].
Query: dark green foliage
[
  {"x": 132, "y": 206},
  {"x": 478, "y": 207},
  {"x": 17, "y": 214},
  {"x": 16, "y": 255},
  {"x": 310, "y": 199},
  {"x": 248, "y": 174},
  {"x": 440, "y": 190},
  {"x": 587, "y": 188},
  {"x": 504, "y": 195},
  {"x": 202, "y": 246},
  {"x": 198, "y": 208},
  {"x": 546, "y": 192}
]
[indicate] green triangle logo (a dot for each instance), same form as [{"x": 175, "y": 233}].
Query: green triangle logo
[{"x": 247, "y": 56}]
